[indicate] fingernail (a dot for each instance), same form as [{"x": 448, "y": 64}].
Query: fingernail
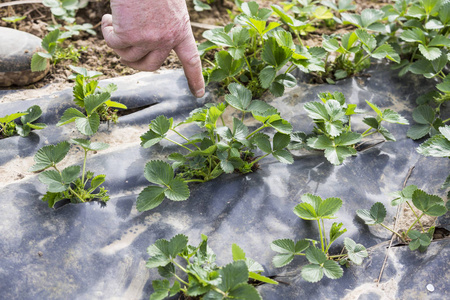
[{"x": 199, "y": 93}]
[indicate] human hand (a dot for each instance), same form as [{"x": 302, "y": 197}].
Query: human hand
[{"x": 143, "y": 32}]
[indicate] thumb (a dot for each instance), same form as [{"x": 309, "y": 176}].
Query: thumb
[
  {"x": 188, "y": 54},
  {"x": 111, "y": 38}
]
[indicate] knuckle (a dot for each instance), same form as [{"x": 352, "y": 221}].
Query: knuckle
[{"x": 192, "y": 62}]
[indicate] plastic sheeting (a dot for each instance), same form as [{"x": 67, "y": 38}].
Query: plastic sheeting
[{"x": 84, "y": 251}]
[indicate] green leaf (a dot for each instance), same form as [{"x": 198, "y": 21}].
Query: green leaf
[
  {"x": 33, "y": 113},
  {"x": 321, "y": 142},
  {"x": 38, "y": 63},
  {"x": 336, "y": 232},
  {"x": 160, "y": 289},
  {"x": 403, "y": 195},
  {"x": 266, "y": 76},
  {"x": 356, "y": 252},
  {"x": 370, "y": 16},
  {"x": 375, "y": 108},
  {"x": 178, "y": 190},
  {"x": 177, "y": 244},
  {"x": 232, "y": 275},
  {"x": 316, "y": 111},
  {"x": 329, "y": 207},
  {"x": 437, "y": 146},
  {"x": 97, "y": 181},
  {"x": 367, "y": 39},
  {"x": 275, "y": 55},
  {"x": 413, "y": 35},
  {"x": 418, "y": 239},
  {"x": 430, "y": 53},
  {"x": 418, "y": 131},
  {"x": 237, "y": 252},
  {"x": 391, "y": 116},
  {"x": 306, "y": 211},
  {"x": 431, "y": 205},
  {"x": 9, "y": 118},
  {"x": 240, "y": 96},
  {"x": 280, "y": 141},
  {"x": 287, "y": 249},
  {"x": 283, "y": 156},
  {"x": 312, "y": 273},
  {"x": 375, "y": 216},
  {"x": 261, "y": 278},
  {"x": 262, "y": 142},
  {"x": 337, "y": 155},
  {"x": 348, "y": 139},
  {"x": 69, "y": 174},
  {"x": 54, "y": 181},
  {"x": 282, "y": 126},
  {"x": 161, "y": 125},
  {"x": 424, "y": 114},
  {"x": 90, "y": 146},
  {"x": 150, "y": 138},
  {"x": 88, "y": 125},
  {"x": 93, "y": 101},
  {"x": 50, "y": 155},
  {"x": 332, "y": 269},
  {"x": 315, "y": 256},
  {"x": 159, "y": 172},
  {"x": 150, "y": 197},
  {"x": 69, "y": 116},
  {"x": 386, "y": 50}
]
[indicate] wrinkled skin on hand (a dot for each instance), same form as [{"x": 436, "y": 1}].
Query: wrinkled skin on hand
[{"x": 143, "y": 32}]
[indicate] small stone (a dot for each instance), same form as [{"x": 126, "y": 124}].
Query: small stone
[
  {"x": 430, "y": 287},
  {"x": 40, "y": 253},
  {"x": 16, "y": 49}
]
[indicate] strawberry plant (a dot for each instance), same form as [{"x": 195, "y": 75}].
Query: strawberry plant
[
  {"x": 8, "y": 127},
  {"x": 438, "y": 146},
  {"x": 419, "y": 30},
  {"x": 354, "y": 51},
  {"x": 65, "y": 9},
  {"x": 251, "y": 52},
  {"x": 333, "y": 132},
  {"x": 321, "y": 262},
  {"x": 66, "y": 183},
  {"x": 217, "y": 149},
  {"x": 14, "y": 20},
  {"x": 95, "y": 100},
  {"x": 426, "y": 204},
  {"x": 205, "y": 279}
]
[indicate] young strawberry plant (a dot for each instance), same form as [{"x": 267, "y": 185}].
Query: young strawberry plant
[
  {"x": 438, "y": 146},
  {"x": 333, "y": 130},
  {"x": 353, "y": 54},
  {"x": 8, "y": 127},
  {"x": 95, "y": 100},
  {"x": 219, "y": 148},
  {"x": 426, "y": 204},
  {"x": 14, "y": 20},
  {"x": 66, "y": 183},
  {"x": 321, "y": 262},
  {"x": 252, "y": 52},
  {"x": 205, "y": 279}
]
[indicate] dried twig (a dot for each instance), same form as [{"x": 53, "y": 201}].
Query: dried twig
[
  {"x": 19, "y": 2},
  {"x": 395, "y": 225}
]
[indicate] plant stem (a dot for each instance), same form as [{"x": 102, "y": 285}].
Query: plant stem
[
  {"x": 421, "y": 226},
  {"x": 363, "y": 59},
  {"x": 260, "y": 128},
  {"x": 290, "y": 67},
  {"x": 249, "y": 68},
  {"x": 418, "y": 219},
  {"x": 445, "y": 121},
  {"x": 183, "y": 146},
  {"x": 235, "y": 80},
  {"x": 181, "y": 280},
  {"x": 321, "y": 236},
  {"x": 256, "y": 160},
  {"x": 79, "y": 197},
  {"x": 337, "y": 256},
  {"x": 194, "y": 180},
  {"x": 210, "y": 62},
  {"x": 184, "y": 137},
  {"x": 223, "y": 121},
  {"x": 393, "y": 232},
  {"x": 325, "y": 235},
  {"x": 84, "y": 168}
]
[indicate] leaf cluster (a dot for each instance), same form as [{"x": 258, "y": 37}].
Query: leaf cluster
[
  {"x": 205, "y": 279},
  {"x": 218, "y": 148},
  {"x": 430, "y": 205},
  {"x": 8, "y": 127},
  {"x": 94, "y": 100},
  {"x": 67, "y": 183},
  {"x": 65, "y": 9},
  {"x": 333, "y": 133},
  {"x": 320, "y": 261}
]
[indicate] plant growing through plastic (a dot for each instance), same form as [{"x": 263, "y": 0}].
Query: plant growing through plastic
[
  {"x": 95, "y": 100},
  {"x": 321, "y": 262},
  {"x": 205, "y": 279},
  {"x": 219, "y": 148},
  {"x": 333, "y": 129},
  {"x": 8, "y": 127},
  {"x": 67, "y": 183},
  {"x": 253, "y": 52},
  {"x": 426, "y": 204}
]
